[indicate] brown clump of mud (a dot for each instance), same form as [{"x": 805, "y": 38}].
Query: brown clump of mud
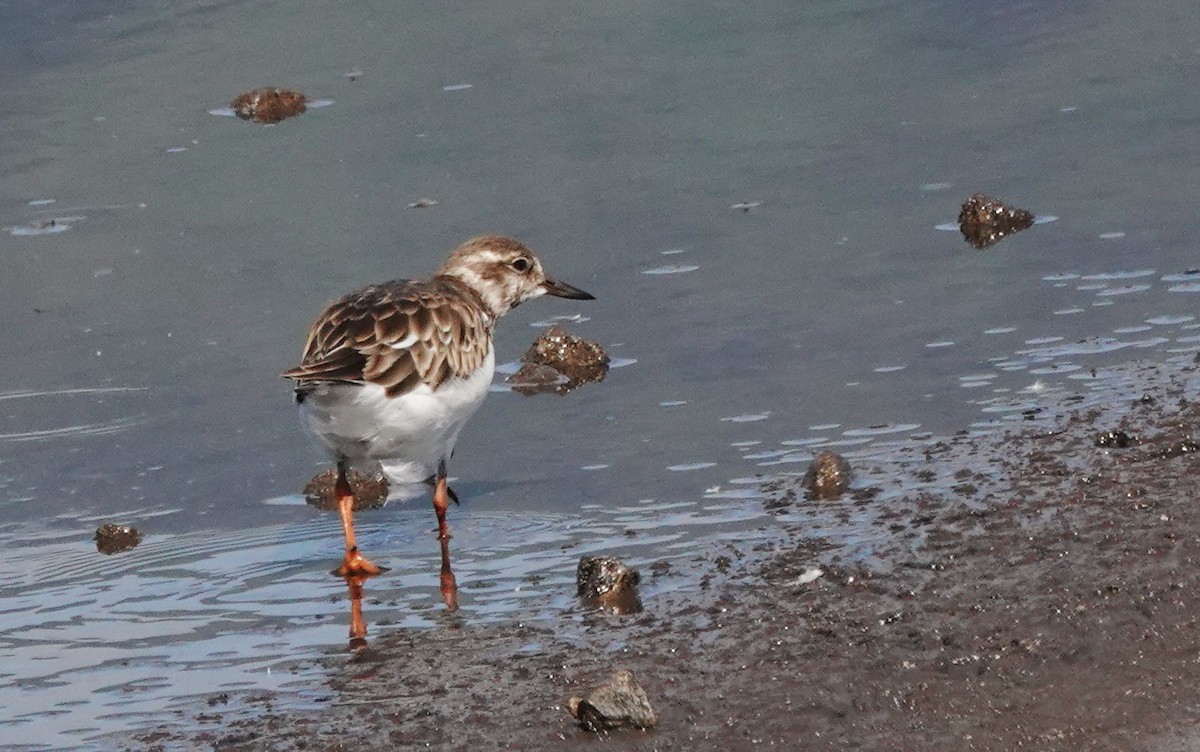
[
  {"x": 370, "y": 490},
  {"x": 269, "y": 105},
  {"x": 113, "y": 539},
  {"x": 1025, "y": 591},
  {"x": 985, "y": 221},
  {"x": 559, "y": 362}
]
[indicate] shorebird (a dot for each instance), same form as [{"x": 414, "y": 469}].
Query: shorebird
[{"x": 392, "y": 372}]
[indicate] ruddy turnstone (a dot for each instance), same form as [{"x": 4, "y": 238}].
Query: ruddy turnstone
[{"x": 392, "y": 372}]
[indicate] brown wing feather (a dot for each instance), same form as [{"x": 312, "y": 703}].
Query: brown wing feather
[{"x": 445, "y": 332}]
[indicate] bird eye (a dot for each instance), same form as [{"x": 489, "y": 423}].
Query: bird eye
[{"x": 520, "y": 264}]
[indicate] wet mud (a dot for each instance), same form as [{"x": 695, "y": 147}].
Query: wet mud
[{"x": 1030, "y": 589}]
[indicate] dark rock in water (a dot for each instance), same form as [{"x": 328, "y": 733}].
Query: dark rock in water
[
  {"x": 573, "y": 360},
  {"x": 828, "y": 476},
  {"x": 985, "y": 221},
  {"x": 370, "y": 490},
  {"x": 1115, "y": 440},
  {"x": 605, "y": 582},
  {"x": 621, "y": 703},
  {"x": 112, "y": 539},
  {"x": 559, "y": 349},
  {"x": 597, "y": 575},
  {"x": 269, "y": 105}
]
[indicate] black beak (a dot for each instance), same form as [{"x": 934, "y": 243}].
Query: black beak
[{"x": 563, "y": 290}]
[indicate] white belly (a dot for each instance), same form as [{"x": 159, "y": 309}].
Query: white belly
[{"x": 408, "y": 435}]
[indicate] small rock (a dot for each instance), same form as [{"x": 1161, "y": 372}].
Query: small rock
[
  {"x": 606, "y": 582},
  {"x": 1114, "y": 440},
  {"x": 563, "y": 351},
  {"x": 269, "y": 105},
  {"x": 621, "y": 703},
  {"x": 660, "y": 568},
  {"x": 828, "y": 476},
  {"x": 812, "y": 574},
  {"x": 985, "y": 221},
  {"x": 574, "y": 361},
  {"x": 370, "y": 490},
  {"x": 112, "y": 539}
]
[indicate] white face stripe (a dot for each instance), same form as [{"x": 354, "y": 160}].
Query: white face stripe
[
  {"x": 487, "y": 257},
  {"x": 489, "y": 272}
]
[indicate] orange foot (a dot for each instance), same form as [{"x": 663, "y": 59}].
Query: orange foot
[{"x": 357, "y": 565}]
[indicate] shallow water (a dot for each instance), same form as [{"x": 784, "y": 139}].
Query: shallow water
[{"x": 147, "y": 326}]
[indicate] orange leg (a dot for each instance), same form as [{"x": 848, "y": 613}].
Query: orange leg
[
  {"x": 449, "y": 584},
  {"x": 358, "y": 625},
  {"x": 441, "y": 502},
  {"x": 354, "y": 562}
]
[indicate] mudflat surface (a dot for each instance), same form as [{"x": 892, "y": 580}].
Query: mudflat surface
[{"x": 1033, "y": 590}]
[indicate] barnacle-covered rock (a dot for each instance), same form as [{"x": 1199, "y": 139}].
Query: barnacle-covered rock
[
  {"x": 985, "y": 221},
  {"x": 828, "y": 476},
  {"x": 370, "y": 490},
  {"x": 112, "y": 539},
  {"x": 559, "y": 362},
  {"x": 269, "y": 105},
  {"x": 606, "y": 582}
]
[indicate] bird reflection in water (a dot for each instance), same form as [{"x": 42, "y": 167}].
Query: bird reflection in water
[{"x": 355, "y": 589}]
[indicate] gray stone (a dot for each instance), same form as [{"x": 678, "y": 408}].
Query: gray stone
[{"x": 621, "y": 703}]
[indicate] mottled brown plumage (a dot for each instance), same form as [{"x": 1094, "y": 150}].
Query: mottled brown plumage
[{"x": 355, "y": 339}]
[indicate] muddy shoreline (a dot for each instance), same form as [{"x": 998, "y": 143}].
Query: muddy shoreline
[{"x": 1031, "y": 589}]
